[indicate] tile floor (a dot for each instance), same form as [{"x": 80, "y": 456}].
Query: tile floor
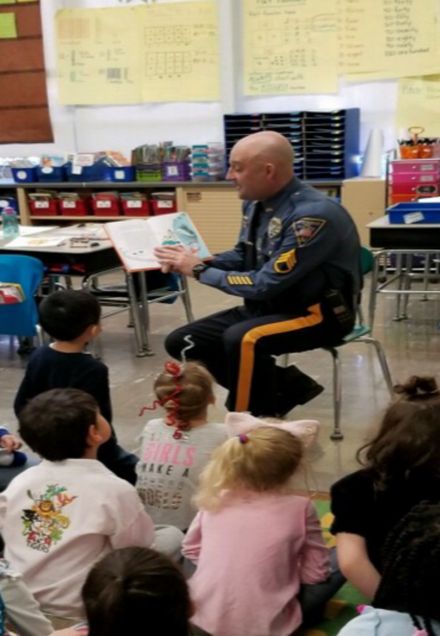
[{"x": 412, "y": 347}]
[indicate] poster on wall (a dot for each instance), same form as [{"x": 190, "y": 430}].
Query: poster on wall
[
  {"x": 24, "y": 112},
  {"x": 132, "y": 55}
]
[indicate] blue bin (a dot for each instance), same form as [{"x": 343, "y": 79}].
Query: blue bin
[
  {"x": 51, "y": 174},
  {"x": 24, "y": 175},
  {"x": 413, "y": 213},
  {"x": 98, "y": 172},
  {"x": 122, "y": 173},
  {"x": 8, "y": 202}
]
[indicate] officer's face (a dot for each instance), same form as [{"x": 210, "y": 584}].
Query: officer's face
[{"x": 251, "y": 174}]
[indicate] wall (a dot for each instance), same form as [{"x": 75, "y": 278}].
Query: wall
[{"x": 124, "y": 127}]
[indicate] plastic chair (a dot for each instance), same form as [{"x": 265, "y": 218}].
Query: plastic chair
[
  {"x": 21, "y": 319},
  {"x": 361, "y": 333}
]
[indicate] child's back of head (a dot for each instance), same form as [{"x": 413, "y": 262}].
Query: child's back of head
[
  {"x": 410, "y": 579},
  {"x": 66, "y": 314},
  {"x": 407, "y": 445},
  {"x": 263, "y": 460},
  {"x": 185, "y": 392},
  {"x": 55, "y": 424},
  {"x": 136, "y": 590}
]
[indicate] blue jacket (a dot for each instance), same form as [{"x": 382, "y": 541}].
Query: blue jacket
[{"x": 291, "y": 249}]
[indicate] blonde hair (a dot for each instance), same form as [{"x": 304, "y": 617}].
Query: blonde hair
[
  {"x": 262, "y": 460},
  {"x": 186, "y": 395}
]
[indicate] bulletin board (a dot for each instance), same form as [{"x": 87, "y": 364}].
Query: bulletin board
[{"x": 24, "y": 111}]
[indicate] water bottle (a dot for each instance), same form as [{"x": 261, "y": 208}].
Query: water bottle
[{"x": 11, "y": 227}]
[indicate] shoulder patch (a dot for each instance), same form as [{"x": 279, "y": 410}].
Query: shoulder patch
[
  {"x": 307, "y": 228},
  {"x": 239, "y": 280},
  {"x": 285, "y": 262}
]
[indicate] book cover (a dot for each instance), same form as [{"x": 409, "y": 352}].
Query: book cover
[{"x": 135, "y": 239}]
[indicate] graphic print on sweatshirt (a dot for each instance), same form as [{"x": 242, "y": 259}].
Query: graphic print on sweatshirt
[
  {"x": 44, "y": 523},
  {"x": 163, "y": 472}
]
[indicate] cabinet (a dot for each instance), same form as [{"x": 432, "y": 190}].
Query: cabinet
[
  {"x": 213, "y": 206},
  {"x": 365, "y": 199}
]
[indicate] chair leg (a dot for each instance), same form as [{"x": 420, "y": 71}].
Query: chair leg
[
  {"x": 382, "y": 361},
  {"x": 186, "y": 299},
  {"x": 337, "y": 396}
]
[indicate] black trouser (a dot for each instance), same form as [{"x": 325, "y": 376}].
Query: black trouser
[{"x": 238, "y": 349}]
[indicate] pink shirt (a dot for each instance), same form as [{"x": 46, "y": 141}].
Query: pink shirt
[{"x": 252, "y": 556}]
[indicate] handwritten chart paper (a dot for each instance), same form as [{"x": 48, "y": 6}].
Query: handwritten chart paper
[
  {"x": 405, "y": 40},
  {"x": 129, "y": 55},
  {"x": 290, "y": 47},
  {"x": 358, "y": 24},
  {"x": 180, "y": 52},
  {"x": 98, "y": 56},
  {"x": 418, "y": 104}
]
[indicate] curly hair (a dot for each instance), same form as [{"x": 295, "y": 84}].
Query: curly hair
[
  {"x": 411, "y": 556},
  {"x": 407, "y": 444},
  {"x": 195, "y": 391}
]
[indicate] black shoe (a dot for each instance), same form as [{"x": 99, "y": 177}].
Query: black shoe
[{"x": 295, "y": 387}]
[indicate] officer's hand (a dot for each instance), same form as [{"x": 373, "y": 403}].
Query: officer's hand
[{"x": 175, "y": 258}]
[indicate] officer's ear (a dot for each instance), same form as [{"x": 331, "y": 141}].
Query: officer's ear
[{"x": 270, "y": 170}]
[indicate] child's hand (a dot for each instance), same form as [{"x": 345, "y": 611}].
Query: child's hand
[{"x": 10, "y": 442}]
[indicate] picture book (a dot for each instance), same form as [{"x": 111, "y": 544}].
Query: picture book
[{"x": 135, "y": 239}]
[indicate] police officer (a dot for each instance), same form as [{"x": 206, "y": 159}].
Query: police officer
[{"x": 296, "y": 265}]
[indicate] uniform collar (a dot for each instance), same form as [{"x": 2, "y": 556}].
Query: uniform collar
[{"x": 271, "y": 204}]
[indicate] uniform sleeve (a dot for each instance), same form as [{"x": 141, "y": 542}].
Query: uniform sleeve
[
  {"x": 305, "y": 245},
  {"x": 132, "y": 525},
  {"x": 352, "y": 504},
  {"x": 192, "y": 543},
  {"x": 314, "y": 557}
]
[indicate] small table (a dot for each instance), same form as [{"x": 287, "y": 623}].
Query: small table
[
  {"x": 403, "y": 241},
  {"x": 95, "y": 257}
]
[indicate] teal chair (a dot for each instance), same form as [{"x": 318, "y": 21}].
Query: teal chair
[{"x": 361, "y": 333}]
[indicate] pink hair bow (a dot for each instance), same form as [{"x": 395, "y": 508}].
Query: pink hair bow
[{"x": 306, "y": 430}]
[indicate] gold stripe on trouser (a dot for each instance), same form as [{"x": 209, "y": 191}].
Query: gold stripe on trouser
[{"x": 247, "y": 352}]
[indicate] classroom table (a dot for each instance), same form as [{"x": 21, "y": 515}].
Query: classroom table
[
  {"x": 404, "y": 242},
  {"x": 93, "y": 257}
]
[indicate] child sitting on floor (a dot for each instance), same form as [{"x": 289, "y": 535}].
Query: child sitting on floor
[
  {"x": 407, "y": 600},
  {"x": 135, "y": 591},
  {"x": 256, "y": 543},
  {"x": 59, "y": 517},
  {"x": 400, "y": 469},
  {"x": 176, "y": 448},
  {"x": 72, "y": 319}
]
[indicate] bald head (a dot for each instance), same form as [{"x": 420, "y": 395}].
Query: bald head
[
  {"x": 261, "y": 164},
  {"x": 268, "y": 145}
]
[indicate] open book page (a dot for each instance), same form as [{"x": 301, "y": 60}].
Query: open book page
[{"x": 135, "y": 239}]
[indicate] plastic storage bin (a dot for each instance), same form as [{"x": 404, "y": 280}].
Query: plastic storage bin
[
  {"x": 176, "y": 171},
  {"x": 74, "y": 207},
  {"x": 163, "y": 202},
  {"x": 122, "y": 173},
  {"x": 47, "y": 207},
  {"x": 24, "y": 175},
  {"x": 414, "y": 213},
  {"x": 51, "y": 174},
  {"x": 97, "y": 172},
  {"x": 8, "y": 202},
  {"x": 135, "y": 207},
  {"x": 105, "y": 205}
]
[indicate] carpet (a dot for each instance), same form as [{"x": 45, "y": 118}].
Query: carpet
[{"x": 341, "y": 608}]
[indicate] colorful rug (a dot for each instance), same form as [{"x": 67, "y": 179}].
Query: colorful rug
[{"x": 342, "y": 607}]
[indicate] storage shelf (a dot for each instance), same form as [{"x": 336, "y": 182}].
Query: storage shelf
[{"x": 62, "y": 217}]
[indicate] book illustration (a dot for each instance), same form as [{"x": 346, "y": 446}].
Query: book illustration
[{"x": 135, "y": 240}]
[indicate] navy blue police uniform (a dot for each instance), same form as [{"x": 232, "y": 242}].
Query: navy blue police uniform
[{"x": 297, "y": 266}]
